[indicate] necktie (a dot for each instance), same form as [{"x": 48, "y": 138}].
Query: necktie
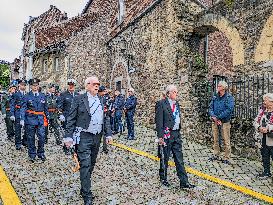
[{"x": 173, "y": 107}]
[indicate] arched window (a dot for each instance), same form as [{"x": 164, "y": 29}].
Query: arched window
[{"x": 121, "y": 13}]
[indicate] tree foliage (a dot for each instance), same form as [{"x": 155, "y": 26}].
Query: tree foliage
[{"x": 4, "y": 75}]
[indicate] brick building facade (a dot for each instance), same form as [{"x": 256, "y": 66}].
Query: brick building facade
[{"x": 147, "y": 44}]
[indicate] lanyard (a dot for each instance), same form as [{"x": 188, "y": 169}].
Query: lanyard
[{"x": 175, "y": 111}]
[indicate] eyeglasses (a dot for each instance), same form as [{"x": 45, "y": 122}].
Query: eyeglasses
[{"x": 94, "y": 84}]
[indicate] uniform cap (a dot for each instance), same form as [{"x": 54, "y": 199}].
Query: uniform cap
[
  {"x": 102, "y": 88},
  {"x": 34, "y": 81},
  {"x": 51, "y": 85},
  {"x": 22, "y": 81},
  {"x": 71, "y": 81}
]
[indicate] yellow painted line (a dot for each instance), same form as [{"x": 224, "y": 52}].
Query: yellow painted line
[
  {"x": 202, "y": 175},
  {"x": 7, "y": 193}
]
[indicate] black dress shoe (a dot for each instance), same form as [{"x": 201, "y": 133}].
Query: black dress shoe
[
  {"x": 165, "y": 183},
  {"x": 226, "y": 162},
  {"x": 43, "y": 158},
  {"x": 58, "y": 142},
  {"x": 213, "y": 158},
  {"x": 32, "y": 160},
  {"x": 18, "y": 148},
  {"x": 187, "y": 186},
  {"x": 88, "y": 202},
  {"x": 264, "y": 175}
]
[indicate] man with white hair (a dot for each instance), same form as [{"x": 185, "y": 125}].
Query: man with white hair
[
  {"x": 168, "y": 128},
  {"x": 129, "y": 109},
  {"x": 221, "y": 110},
  {"x": 88, "y": 118}
]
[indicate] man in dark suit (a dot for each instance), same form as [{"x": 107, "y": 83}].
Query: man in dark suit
[
  {"x": 88, "y": 120},
  {"x": 65, "y": 100},
  {"x": 168, "y": 127}
]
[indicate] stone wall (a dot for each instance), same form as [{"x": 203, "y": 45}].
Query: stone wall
[
  {"x": 87, "y": 50},
  {"x": 145, "y": 56},
  {"x": 49, "y": 73}
]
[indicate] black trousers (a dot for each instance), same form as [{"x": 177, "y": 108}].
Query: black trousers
[
  {"x": 53, "y": 125},
  {"x": 87, "y": 152},
  {"x": 19, "y": 140},
  {"x": 174, "y": 146},
  {"x": 10, "y": 127}
]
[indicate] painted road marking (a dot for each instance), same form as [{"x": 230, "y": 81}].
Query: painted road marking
[
  {"x": 7, "y": 192},
  {"x": 202, "y": 175}
]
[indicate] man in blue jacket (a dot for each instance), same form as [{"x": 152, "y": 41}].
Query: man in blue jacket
[
  {"x": 34, "y": 114},
  {"x": 129, "y": 108},
  {"x": 220, "y": 111},
  {"x": 15, "y": 107},
  {"x": 118, "y": 108}
]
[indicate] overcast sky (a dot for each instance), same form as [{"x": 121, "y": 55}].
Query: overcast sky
[{"x": 14, "y": 13}]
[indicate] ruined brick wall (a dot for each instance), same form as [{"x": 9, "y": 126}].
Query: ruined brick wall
[
  {"x": 219, "y": 55},
  {"x": 87, "y": 49},
  {"x": 249, "y": 18},
  {"x": 155, "y": 55},
  {"x": 50, "y": 74}
]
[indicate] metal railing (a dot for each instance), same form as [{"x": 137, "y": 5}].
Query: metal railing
[{"x": 247, "y": 91}]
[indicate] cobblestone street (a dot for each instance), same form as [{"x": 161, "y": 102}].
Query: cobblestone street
[{"x": 125, "y": 178}]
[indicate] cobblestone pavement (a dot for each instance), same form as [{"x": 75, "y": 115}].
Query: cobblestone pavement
[
  {"x": 119, "y": 177},
  {"x": 242, "y": 171}
]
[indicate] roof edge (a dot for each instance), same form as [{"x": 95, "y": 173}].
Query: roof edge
[{"x": 87, "y": 6}]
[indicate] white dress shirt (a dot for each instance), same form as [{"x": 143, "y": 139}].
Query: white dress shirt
[
  {"x": 176, "y": 114},
  {"x": 96, "y": 112}
]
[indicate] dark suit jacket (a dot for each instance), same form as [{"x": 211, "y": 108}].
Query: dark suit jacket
[
  {"x": 80, "y": 116},
  {"x": 164, "y": 116},
  {"x": 64, "y": 102}
]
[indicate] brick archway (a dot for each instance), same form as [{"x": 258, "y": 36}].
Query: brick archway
[
  {"x": 264, "y": 49},
  {"x": 120, "y": 77},
  {"x": 220, "y": 23}
]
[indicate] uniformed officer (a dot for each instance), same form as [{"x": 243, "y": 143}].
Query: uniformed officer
[
  {"x": 102, "y": 92},
  {"x": 5, "y": 108},
  {"x": 118, "y": 108},
  {"x": 53, "y": 114},
  {"x": 129, "y": 109},
  {"x": 34, "y": 114},
  {"x": 65, "y": 100},
  {"x": 15, "y": 107}
]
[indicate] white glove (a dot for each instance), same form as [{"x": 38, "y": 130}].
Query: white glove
[
  {"x": 12, "y": 118},
  {"x": 22, "y": 122},
  {"x": 68, "y": 142},
  {"x": 4, "y": 115},
  {"x": 62, "y": 118},
  {"x": 109, "y": 139}
]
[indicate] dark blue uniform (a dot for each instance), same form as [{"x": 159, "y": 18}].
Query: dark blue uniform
[
  {"x": 5, "y": 108},
  {"x": 118, "y": 105},
  {"x": 130, "y": 106},
  {"x": 53, "y": 117},
  {"x": 64, "y": 103},
  {"x": 33, "y": 112},
  {"x": 15, "y": 107}
]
